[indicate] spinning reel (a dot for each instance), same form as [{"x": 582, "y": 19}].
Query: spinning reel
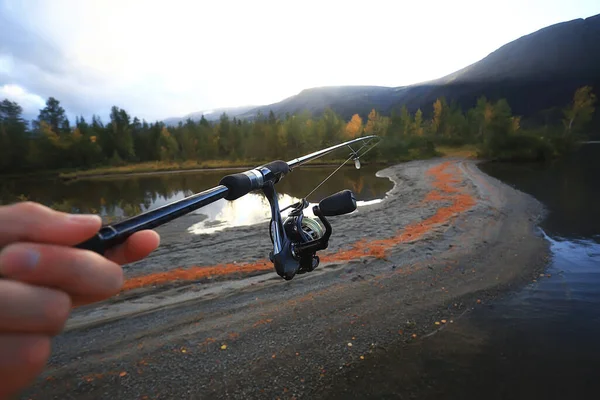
[{"x": 297, "y": 239}]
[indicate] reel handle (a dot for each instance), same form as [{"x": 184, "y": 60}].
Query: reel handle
[{"x": 339, "y": 203}]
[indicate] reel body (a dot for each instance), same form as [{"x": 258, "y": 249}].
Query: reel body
[
  {"x": 297, "y": 239},
  {"x": 301, "y": 230}
]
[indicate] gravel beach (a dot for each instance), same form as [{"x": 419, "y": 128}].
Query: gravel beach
[{"x": 206, "y": 316}]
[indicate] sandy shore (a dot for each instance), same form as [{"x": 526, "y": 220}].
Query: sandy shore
[{"x": 206, "y": 316}]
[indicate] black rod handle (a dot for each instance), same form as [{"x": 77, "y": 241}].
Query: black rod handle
[{"x": 110, "y": 236}]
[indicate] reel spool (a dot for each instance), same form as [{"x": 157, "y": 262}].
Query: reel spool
[
  {"x": 310, "y": 229},
  {"x": 300, "y": 230}
]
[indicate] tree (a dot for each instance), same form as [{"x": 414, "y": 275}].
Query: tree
[
  {"x": 330, "y": 128},
  {"x": 418, "y": 127},
  {"x": 455, "y": 127},
  {"x": 51, "y": 149},
  {"x": 54, "y": 116},
  {"x": 480, "y": 117},
  {"x": 225, "y": 136},
  {"x": 167, "y": 145},
  {"x": 354, "y": 127},
  {"x": 13, "y": 136},
  {"x": 375, "y": 124},
  {"x": 497, "y": 136},
  {"x": 120, "y": 134},
  {"x": 436, "y": 121},
  {"x": 405, "y": 121},
  {"x": 581, "y": 110}
]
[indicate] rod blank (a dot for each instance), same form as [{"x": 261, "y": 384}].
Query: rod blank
[{"x": 113, "y": 235}]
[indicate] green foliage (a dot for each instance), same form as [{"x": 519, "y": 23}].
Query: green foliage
[
  {"x": 167, "y": 145},
  {"x": 580, "y": 112},
  {"x": 490, "y": 126},
  {"x": 54, "y": 116},
  {"x": 13, "y": 136}
]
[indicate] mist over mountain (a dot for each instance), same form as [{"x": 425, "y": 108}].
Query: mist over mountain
[
  {"x": 537, "y": 74},
  {"x": 210, "y": 115}
]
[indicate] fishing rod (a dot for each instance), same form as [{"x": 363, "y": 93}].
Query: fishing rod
[{"x": 295, "y": 239}]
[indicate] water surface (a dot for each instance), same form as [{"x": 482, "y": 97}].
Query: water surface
[
  {"x": 123, "y": 196},
  {"x": 541, "y": 342}
]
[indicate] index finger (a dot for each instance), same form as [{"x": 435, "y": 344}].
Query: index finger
[{"x": 32, "y": 222}]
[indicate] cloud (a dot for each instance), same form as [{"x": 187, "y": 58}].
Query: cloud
[
  {"x": 160, "y": 59},
  {"x": 30, "y": 102},
  {"x": 26, "y": 46},
  {"x": 32, "y": 68}
]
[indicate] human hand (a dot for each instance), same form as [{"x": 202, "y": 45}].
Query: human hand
[{"x": 42, "y": 277}]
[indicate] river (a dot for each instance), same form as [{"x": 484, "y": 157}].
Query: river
[
  {"x": 540, "y": 342},
  {"x": 118, "y": 197}
]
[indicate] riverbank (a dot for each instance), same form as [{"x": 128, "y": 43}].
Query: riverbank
[
  {"x": 447, "y": 238},
  {"x": 156, "y": 167},
  {"x": 146, "y": 168}
]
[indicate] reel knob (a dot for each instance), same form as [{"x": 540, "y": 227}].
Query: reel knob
[{"x": 339, "y": 203}]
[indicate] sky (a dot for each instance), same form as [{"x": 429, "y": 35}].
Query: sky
[{"x": 159, "y": 59}]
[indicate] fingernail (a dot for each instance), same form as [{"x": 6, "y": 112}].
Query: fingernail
[
  {"x": 84, "y": 218},
  {"x": 18, "y": 261}
]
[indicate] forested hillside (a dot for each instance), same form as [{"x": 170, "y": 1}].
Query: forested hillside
[{"x": 52, "y": 142}]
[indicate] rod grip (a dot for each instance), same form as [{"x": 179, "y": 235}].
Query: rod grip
[
  {"x": 278, "y": 167},
  {"x": 339, "y": 203},
  {"x": 237, "y": 185}
]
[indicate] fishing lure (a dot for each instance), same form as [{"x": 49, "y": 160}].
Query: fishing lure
[{"x": 296, "y": 239}]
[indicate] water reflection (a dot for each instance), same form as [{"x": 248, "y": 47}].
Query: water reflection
[
  {"x": 539, "y": 343},
  {"x": 570, "y": 191},
  {"x": 119, "y": 197},
  {"x": 568, "y": 188},
  {"x": 550, "y": 329},
  {"x": 248, "y": 210}
]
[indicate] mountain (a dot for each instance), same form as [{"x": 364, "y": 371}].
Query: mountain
[
  {"x": 565, "y": 50},
  {"x": 211, "y": 115},
  {"x": 343, "y": 99},
  {"x": 537, "y": 74}
]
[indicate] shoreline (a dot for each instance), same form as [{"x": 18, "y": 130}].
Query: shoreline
[
  {"x": 190, "y": 170},
  {"x": 447, "y": 238},
  {"x": 68, "y": 176}
]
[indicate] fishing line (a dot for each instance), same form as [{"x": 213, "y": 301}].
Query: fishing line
[
  {"x": 330, "y": 175},
  {"x": 354, "y": 156}
]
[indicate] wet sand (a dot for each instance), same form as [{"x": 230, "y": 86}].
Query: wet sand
[{"x": 206, "y": 315}]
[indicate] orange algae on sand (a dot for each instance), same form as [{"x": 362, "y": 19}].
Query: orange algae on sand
[
  {"x": 444, "y": 179},
  {"x": 194, "y": 273},
  {"x": 434, "y": 195}
]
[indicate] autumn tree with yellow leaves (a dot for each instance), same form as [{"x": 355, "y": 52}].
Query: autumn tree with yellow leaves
[
  {"x": 354, "y": 127},
  {"x": 580, "y": 111}
]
